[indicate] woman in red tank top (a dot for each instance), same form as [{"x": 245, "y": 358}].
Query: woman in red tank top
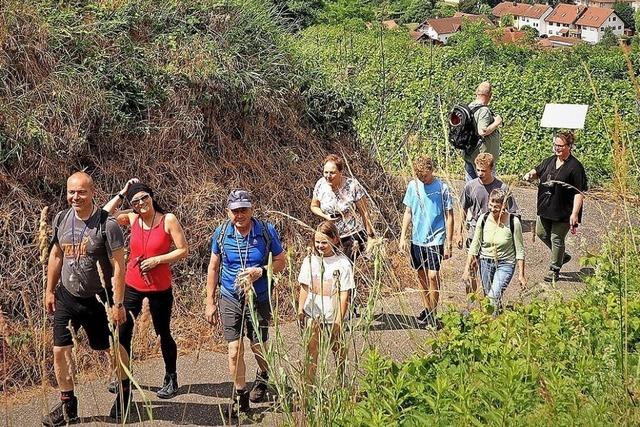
[{"x": 148, "y": 275}]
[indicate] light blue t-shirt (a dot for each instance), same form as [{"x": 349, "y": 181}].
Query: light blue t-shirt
[
  {"x": 428, "y": 204},
  {"x": 250, "y": 251}
]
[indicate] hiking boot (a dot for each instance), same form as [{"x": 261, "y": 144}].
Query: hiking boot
[
  {"x": 113, "y": 387},
  {"x": 65, "y": 412},
  {"x": 259, "y": 387},
  {"x": 552, "y": 276},
  {"x": 118, "y": 412},
  {"x": 239, "y": 403},
  {"x": 422, "y": 316},
  {"x": 430, "y": 321},
  {"x": 566, "y": 258},
  {"x": 169, "y": 387}
]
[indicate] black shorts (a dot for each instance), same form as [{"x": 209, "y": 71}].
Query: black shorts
[
  {"x": 88, "y": 313},
  {"x": 426, "y": 257},
  {"x": 234, "y": 325}
]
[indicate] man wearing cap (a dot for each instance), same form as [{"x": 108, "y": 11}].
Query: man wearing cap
[
  {"x": 240, "y": 251},
  {"x": 487, "y": 124}
]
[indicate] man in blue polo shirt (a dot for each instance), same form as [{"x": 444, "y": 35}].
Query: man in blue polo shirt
[{"x": 239, "y": 256}]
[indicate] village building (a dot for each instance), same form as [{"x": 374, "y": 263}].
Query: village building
[
  {"x": 608, "y": 4},
  {"x": 562, "y": 21},
  {"x": 530, "y": 15},
  {"x": 441, "y": 29},
  {"x": 594, "y": 22}
]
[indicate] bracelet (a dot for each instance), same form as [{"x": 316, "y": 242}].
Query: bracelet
[{"x": 121, "y": 196}]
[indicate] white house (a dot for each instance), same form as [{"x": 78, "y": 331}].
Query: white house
[
  {"x": 440, "y": 29},
  {"x": 562, "y": 21},
  {"x": 595, "y": 20},
  {"x": 531, "y": 15}
]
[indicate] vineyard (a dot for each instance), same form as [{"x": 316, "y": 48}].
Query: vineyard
[{"x": 402, "y": 90}]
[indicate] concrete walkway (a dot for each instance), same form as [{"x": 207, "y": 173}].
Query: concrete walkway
[{"x": 205, "y": 386}]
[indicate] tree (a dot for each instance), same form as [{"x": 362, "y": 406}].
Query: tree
[
  {"x": 338, "y": 11},
  {"x": 530, "y": 32},
  {"x": 506, "y": 21},
  {"x": 625, "y": 12},
  {"x": 299, "y": 13},
  {"x": 609, "y": 39},
  {"x": 418, "y": 11}
]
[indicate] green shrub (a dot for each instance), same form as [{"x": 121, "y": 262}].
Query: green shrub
[{"x": 545, "y": 363}]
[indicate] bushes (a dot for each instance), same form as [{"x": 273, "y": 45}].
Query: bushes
[
  {"x": 544, "y": 363},
  {"x": 409, "y": 87}
]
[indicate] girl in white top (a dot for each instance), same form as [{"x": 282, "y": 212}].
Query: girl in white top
[{"x": 326, "y": 277}]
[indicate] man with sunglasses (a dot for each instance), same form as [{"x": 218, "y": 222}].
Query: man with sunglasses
[
  {"x": 239, "y": 261},
  {"x": 560, "y": 197},
  {"x": 86, "y": 244}
]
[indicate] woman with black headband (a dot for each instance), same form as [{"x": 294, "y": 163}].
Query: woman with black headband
[{"x": 148, "y": 274}]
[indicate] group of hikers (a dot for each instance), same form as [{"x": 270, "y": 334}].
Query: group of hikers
[{"x": 93, "y": 285}]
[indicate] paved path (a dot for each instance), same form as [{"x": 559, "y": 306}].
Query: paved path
[{"x": 205, "y": 386}]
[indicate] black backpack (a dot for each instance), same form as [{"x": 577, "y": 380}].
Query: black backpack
[{"x": 463, "y": 134}]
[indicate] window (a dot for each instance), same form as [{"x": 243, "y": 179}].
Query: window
[
  {"x": 613, "y": 19},
  {"x": 619, "y": 27},
  {"x": 601, "y": 28}
]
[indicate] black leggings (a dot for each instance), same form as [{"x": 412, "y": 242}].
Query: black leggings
[{"x": 160, "y": 304}]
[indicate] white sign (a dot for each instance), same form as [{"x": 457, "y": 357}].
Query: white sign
[{"x": 565, "y": 116}]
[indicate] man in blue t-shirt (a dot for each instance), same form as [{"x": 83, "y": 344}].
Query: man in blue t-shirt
[
  {"x": 429, "y": 210},
  {"x": 239, "y": 260}
]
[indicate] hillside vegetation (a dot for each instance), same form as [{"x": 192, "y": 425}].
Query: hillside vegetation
[
  {"x": 194, "y": 97},
  {"x": 402, "y": 91}
]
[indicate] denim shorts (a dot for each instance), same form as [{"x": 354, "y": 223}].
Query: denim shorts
[{"x": 426, "y": 257}]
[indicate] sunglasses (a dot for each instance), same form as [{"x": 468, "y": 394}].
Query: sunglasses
[
  {"x": 141, "y": 200},
  {"x": 559, "y": 145}
]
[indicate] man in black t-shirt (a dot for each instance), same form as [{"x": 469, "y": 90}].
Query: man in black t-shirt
[{"x": 560, "y": 196}]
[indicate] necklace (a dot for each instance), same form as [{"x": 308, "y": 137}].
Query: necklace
[
  {"x": 76, "y": 250},
  {"x": 243, "y": 261},
  {"x": 146, "y": 242}
]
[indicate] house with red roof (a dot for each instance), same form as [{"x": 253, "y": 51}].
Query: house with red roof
[
  {"x": 562, "y": 21},
  {"x": 608, "y": 4},
  {"x": 595, "y": 20},
  {"x": 531, "y": 15},
  {"x": 440, "y": 29}
]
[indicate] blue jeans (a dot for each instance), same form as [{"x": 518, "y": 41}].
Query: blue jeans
[
  {"x": 469, "y": 171},
  {"x": 495, "y": 277}
]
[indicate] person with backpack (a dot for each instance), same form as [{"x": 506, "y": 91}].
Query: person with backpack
[
  {"x": 499, "y": 245},
  {"x": 563, "y": 181},
  {"x": 326, "y": 278},
  {"x": 238, "y": 291},
  {"x": 474, "y": 201},
  {"x": 474, "y": 129},
  {"x": 86, "y": 244},
  {"x": 429, "y": 212},
  {"x": 157, "y": 241}
]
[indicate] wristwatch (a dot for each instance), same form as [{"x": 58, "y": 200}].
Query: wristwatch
[
  {"x": 121, "y": 196},
  {"x": 119, "y": 305}
]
